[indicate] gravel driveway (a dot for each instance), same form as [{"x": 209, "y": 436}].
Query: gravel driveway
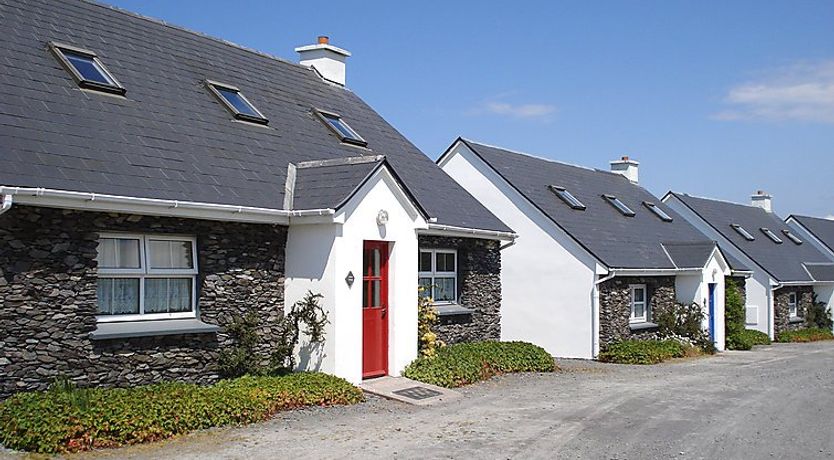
[{"x": 774, "y": 402}]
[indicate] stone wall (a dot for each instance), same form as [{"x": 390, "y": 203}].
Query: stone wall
[
  {"x": 615, "y": 306},
  {"x": 48, "y": 298},
  {"x": 781, "y": 315},
  {"x": 479, "y": 288}
]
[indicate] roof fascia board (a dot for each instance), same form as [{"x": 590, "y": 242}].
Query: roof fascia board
[
  {"x": 453, "y": 151},
  {"x": 86, "y": 201},
  {"x": 673, "y": 195},
  {"x": 449, "y": 230}
]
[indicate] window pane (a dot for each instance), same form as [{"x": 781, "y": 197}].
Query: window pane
[
  {"x": 445, "y": 262},
  {"x": 118, "y": 253},
  {"x": 639, "y": 295},
  {"x": 425, "y": 262},
  {"x": 372, "y": 293},
  {"x": 235, "y": 100},
  {"x": 341, "y": 127},
  {"x": 87, "y": 67},
  {"x": 638, "y": 310},
  {"x": 164, "y": 254},
  {"x": 167, "y": 295},
  {"x": 424, "y": 285},
  {"x": 118, "y": 296},
  {"x": 444, "y": 290}
]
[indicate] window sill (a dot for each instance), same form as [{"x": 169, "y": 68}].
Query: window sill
[
  {"x": 796, "y": 319},
  {"x": 642, "y": 325},
  {"x": 128, "y": 329},
  {"x": 450, "y": 309}
]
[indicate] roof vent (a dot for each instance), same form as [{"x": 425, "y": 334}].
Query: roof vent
[
  {"x": 328, "y": 60},
  {"x": 762, "y": 199},
  {"x": 626, "y": 167}
]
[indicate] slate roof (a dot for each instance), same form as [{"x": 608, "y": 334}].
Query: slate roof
[
  {"x": 823, "y": 229},
  {"x": 695, "y": 254},
  {"x": 784, "y": 262},
  {"x": 821, "y": 272},
  {"x": 169, "y": 137},
  {"x": 616, "y": 240}
]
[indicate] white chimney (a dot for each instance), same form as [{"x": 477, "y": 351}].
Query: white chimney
[
  {"x": 328, "y": 60},
  {"x": 627, "y": 167},
  {"x": 762, "y": 199}
]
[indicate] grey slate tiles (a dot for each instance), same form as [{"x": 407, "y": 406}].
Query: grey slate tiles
[
  {"x": 784, "y": 262},
  {"x": 617, "y": 240},
  {"x": 169, "y": 137},
  {"x": 823, "y": 229}
]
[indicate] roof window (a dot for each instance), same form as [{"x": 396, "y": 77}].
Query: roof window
[
  {"x": 341, "y": 128},
  {"x": 567, "y": 197},
  {"x": 86, "y": 68},
  {"x": 792, "y": 237},
  {"x": 657, "y": 211},
  {"x": 741, "y": 231},
  {"x": 619, "y": 205},
  {"x": 237, "y": 103},
  {"x": 771, "y": 235}
]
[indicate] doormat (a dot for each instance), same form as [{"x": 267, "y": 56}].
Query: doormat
[{"x": 418, "y": 393}]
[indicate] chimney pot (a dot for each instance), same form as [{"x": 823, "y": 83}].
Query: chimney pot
[
  {"x": 627, "y": 167},
  {"x": 762, "y": 199},
  {"x": 328, "y": 60}
]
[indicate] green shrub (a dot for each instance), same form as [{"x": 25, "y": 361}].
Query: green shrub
[
  {"x": 818, "y": 315},
  {"x": 642, "y": 351},
  {"x": 746, "y": 339},
  {"x": 465, "y": 363},
  {"x": 66, "y": 419},
  {"x": 685, "y": 321},
  {"x": 811, "y": 334}
]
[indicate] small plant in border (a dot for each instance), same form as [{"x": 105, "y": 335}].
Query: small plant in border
[{"x": 426, "y": 320}]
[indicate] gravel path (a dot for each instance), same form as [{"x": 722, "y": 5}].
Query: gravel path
[{"x": 773, "y": 402}]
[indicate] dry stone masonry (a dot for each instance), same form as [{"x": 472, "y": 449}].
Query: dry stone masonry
[
  {"x": 615, "y": 306},
  {"x": 48, "y": 298},
  {"x": 781, "y": 310},
  {"x": 479, "y": 288}
]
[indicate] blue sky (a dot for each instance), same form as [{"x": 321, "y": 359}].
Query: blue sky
[{"x": 714, "y": 98}]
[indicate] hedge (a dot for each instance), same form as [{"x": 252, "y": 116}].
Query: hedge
[
  {"x": 811, "y": 334},
  {"x": 465, "y": 363},
  {"x": 69, "y": 420},
  {"x": 642, "y": 351},
  {"x": 746, "y": 339}
]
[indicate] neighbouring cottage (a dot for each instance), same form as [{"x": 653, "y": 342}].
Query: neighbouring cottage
[
  {"x": 597, "y": 256},
  {"x": 786, "y": 272},
  {"x": 158, "y": 185}
]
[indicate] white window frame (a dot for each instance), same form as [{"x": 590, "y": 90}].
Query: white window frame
[
  {"x": 793, "y": 307},
  {"x": 645, "y": 317},
  {"x": 435, "y": 274},
  {"x": 145, "y": 272}
]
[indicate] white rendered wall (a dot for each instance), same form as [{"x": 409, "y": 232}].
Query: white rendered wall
[
  {"x": 319, "y": 257},
  {"x": 825, "y": 293},
  {"x": 547, "y": 280},
  {"x": 757, "y": 286}
]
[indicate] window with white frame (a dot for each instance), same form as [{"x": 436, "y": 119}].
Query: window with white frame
[
  {"x": 438, "y": 275},
  {"x": 792, "y": 305},
  {"x": 146, "y": 277},
  {"x": 639, "y": 303}
]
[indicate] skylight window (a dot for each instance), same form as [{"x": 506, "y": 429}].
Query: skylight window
[
  {"x": 771, "y": 235},
  {"x": 237, "y": 103},
  {"x": 741, "y": 231},
  {"x": 341, "y": 128},
  {"x": 792, "y": 237},
  {"x": 567, "y": 197},
  {"x": 657, "y": 211},
  {"x": 87, "y": 69},
  {"x": 619, "y": 205}
]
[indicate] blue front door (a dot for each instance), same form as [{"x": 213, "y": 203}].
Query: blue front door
[{"x": 712, "y": 311}]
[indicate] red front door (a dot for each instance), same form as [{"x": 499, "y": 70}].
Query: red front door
[{"x": 375, "y": 309}]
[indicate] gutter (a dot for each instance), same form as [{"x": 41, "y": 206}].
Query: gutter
[
  {"x": 38, "y": 196},
  {"x": 6, "y": 203},
  {"x": 439, "y": 229}
]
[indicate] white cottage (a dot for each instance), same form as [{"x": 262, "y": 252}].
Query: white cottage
[{"x": 596, "y": 254}]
